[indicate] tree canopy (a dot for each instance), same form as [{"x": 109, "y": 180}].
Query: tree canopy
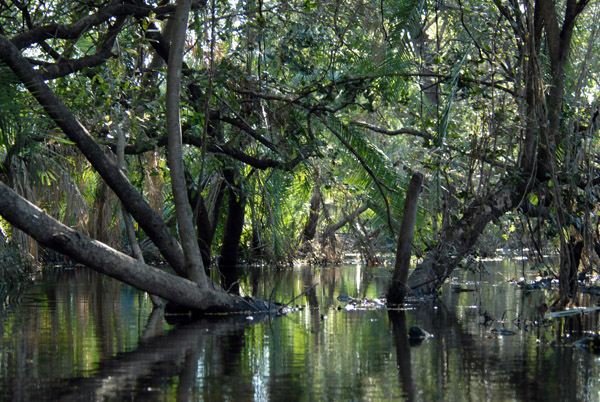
[{"x": 300, "y": 124}]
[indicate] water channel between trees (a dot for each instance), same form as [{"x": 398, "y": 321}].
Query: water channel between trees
[{"x": 79, "y": 336}]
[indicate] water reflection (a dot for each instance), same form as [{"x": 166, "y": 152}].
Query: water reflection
[
  {"x": 400, "y": 333},
  {"x": 78, "y": 336},
  {"x": 167, "y": 363}
]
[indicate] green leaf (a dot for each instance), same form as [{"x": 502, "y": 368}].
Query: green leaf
[{"x": 533, "y": 198}]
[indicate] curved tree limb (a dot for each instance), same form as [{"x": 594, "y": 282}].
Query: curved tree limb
[
  {"x": 258, "y": 163},
  {"x": 108, "y": 261},
  {"x": 65, "y": 67},
  {"x": 148, "y": 219},
  {"x": 408, "y": 131},
  {"x": 75, "y": 30}
]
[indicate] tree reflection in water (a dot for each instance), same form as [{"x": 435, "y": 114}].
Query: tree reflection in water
[{"x": 83, "y": 337}]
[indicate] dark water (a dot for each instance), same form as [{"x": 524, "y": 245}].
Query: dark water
[{"x": 78, "y": 336}]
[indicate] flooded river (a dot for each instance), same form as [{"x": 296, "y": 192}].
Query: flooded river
[{"x": 76, "y": 336}]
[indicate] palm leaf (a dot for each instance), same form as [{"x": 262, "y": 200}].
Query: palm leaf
[
  {"x": 373, "y": 171},
  {"x": 445, "y": 117}
]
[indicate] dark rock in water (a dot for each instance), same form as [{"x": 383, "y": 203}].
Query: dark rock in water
[
  {"x": 416, "y": 336},
  {"x": 502, "y": 332},
  {"x": 591, "y": 344},
  {"x": 345, "y": 298},
  {"x": 418, "y": 333}
]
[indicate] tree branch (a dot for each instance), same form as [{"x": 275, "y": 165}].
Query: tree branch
[
  {"x": 74, "y": 30},
  {"x": 65, "y": 67},
  {"x": 408, "y": 131},
  {"x": 147, "y": 218}
]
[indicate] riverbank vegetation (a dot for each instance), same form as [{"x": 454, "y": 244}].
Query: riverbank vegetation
[{"x": 197, "y": 137}]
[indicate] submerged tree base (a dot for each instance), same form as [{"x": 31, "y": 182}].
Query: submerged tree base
[
  {"x": 208, "y": 299},
  {"x": 244, "y": 305}
]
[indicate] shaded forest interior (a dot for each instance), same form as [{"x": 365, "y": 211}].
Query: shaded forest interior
[{"x": 170, "y": 144}]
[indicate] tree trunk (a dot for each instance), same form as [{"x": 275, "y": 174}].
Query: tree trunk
[
  {"x": 310, "y": 229},
  {"x": 207, "y": 218},
  {"x": 568, "y": 270},
  {"x": 456, "y": 240},
  {"x": 136, "y": 250},
  {"x": 232, "y": 234},
  {"x": 53, "y": 234},
  {"x": 185, "y": 224},
  {"x": 405, "y": 240},
  {"x": 147, "y": 218},
  {"x": 205, "y": 232}
]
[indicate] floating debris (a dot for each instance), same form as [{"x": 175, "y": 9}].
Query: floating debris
[
  {"x": 502, "y": 332},
  {"x": 417, "y": 335},
  {"x": 361, "y": 304},
  {"x": 591, "y": 344},
  {"x": 567, "y": 313}
]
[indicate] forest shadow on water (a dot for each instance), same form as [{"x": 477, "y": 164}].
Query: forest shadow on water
[{"x": 78, "y": 336}]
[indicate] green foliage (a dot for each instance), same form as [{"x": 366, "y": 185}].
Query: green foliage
[
  {"x": 446, "y": 113},
  {"x": 291, "y": 83},
  {"x": 12, "y": 143},
  {"x": 372, "y": 172}
]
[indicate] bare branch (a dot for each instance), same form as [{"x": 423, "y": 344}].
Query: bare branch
[{"x": 408, "y": 131}]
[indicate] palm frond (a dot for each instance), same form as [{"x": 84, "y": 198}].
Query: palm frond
[
  {"x": 445, "y": 117},
  {"x": 279, "y": 223},
  {"x": 372, "y": 171}
]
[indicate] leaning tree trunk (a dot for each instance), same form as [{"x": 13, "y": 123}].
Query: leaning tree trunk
[
  {"x": 98, "y": 256},
  {"x": 457, "y": 240},
  {"x": 146, "y": 217},
  {"x": 405, "y": 240}
]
